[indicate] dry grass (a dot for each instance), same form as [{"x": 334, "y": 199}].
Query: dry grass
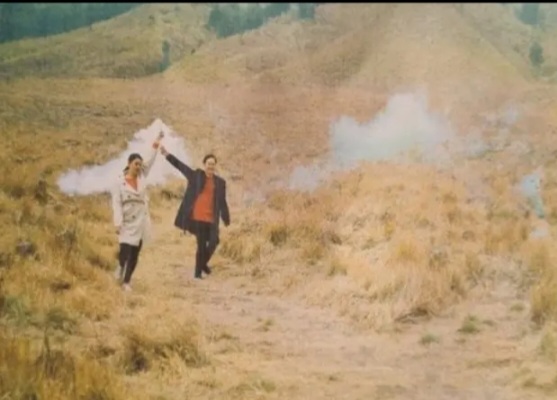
[
  {"x": 281, "y": 227},
  {"x": 381, "y": 244},
  {"x": 413, "y": 250},
  {"x": 51, "y": 250},
  {"x": 470, "y": 325},
  {"x": 539, "y": 257},
  {"x": 335, "y": 50},
  {"x": 53, "y": 277},
  {"x": 351, "y": 57},
  {"x": 127, "y": 46},
  {"x": 429, "y": 338},
  {"x": 419, "y": 246},
  {"x": 57, "y": 253},
  {"x": 159, "y": 345},
  {"x": 503, "y": 30},
  {"x": 41, "y": 372}
]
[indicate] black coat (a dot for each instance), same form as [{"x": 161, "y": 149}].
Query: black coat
[{"x": 196, "y": 182}]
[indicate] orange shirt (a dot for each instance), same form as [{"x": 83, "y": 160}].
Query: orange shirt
[{"x": 203, "y": 207}]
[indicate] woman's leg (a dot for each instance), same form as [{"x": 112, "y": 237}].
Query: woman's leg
[
  {"x": 123, "y": 256},
  {"x": 132, "y": 261}
]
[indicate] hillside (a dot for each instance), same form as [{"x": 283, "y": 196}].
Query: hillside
[
  {"x": 412, "y": 46},
  {"x": 333, "y": 54},
  {"x": 499, "y": 26},
  {"x": 382, "y": 47},
  {"x": 283, "y": 41},
  {"x": 416, "y": 270},
  {"x": 129, "y": 45}
]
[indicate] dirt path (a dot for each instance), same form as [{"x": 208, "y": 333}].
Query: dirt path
[{"x": 300, "y": 352}]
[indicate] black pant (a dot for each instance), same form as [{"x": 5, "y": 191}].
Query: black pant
[
  {"x": 128, "y": 257},
  {"x": 205, "y": 249}
]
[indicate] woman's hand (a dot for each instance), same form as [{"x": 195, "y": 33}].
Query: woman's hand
[{"x": 163, "y": 151}]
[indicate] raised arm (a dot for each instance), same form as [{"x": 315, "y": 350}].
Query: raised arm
[
  {"x": 179, "y": 165},
  {"x": 151, "y": 155}
]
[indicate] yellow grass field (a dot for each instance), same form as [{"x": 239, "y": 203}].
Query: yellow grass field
[{"x": 390, "y": 280}]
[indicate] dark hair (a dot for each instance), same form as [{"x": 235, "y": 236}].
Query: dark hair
[
  {"x": 209, "y": 156},
  {"x": 132, "y": 157}
]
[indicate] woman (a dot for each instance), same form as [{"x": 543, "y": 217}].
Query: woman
[
  {"x": 203, "y": 205},
  {"x": 130, "y": 205}
]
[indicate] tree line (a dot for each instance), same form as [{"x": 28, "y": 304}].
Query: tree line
[
  {"x": 530, "y": 14},
  {"x": 27, "y": 20},
  {"x": 230, "y": 19}
]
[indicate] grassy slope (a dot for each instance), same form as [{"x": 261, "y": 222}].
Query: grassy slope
[
  {"x": 503, "y": 30},
  {"x": 129, "y": 45},
  {"x": 63, "y": 289},
  {"x": 281, "y": 42},
  {"x": 384, "y": 48}
]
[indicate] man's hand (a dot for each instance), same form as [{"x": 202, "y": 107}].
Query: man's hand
[
  {"x": 163, "y": 151},
  {"x": 117, "y": 229}
]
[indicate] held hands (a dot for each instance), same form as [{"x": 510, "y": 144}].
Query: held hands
[{"x": 158, "y": 140}]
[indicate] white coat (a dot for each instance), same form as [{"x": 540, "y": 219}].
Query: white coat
[{"x": 131, "y": 207}]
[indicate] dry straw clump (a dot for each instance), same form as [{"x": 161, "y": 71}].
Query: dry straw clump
[
  {"x": 149, "y": 345},
  {"x": 29, "y": 371},
  {"x": 383, "y": 243}
]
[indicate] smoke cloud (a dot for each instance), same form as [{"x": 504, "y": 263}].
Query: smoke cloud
[
  {"x": 100, "y": 178},
  {"x": 404, "y": 130},
  {"x": 530, "y": 187},
  {"x": 404, "y": 126}
]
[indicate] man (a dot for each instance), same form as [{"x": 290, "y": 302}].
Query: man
[{"x": 202, "y": 207}]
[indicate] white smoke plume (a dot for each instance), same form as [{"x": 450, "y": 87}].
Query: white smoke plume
[
  {"x": 530, "y": 187},
  {"x": 99, "y": 178},
  {"x": 405, "y": 128},
  {"x": 308, "y": 178},
  {"x": 405, "y": 125}
]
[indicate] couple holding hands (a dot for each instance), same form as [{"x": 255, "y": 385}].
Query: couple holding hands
[{"x": 201, "y": 209}]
